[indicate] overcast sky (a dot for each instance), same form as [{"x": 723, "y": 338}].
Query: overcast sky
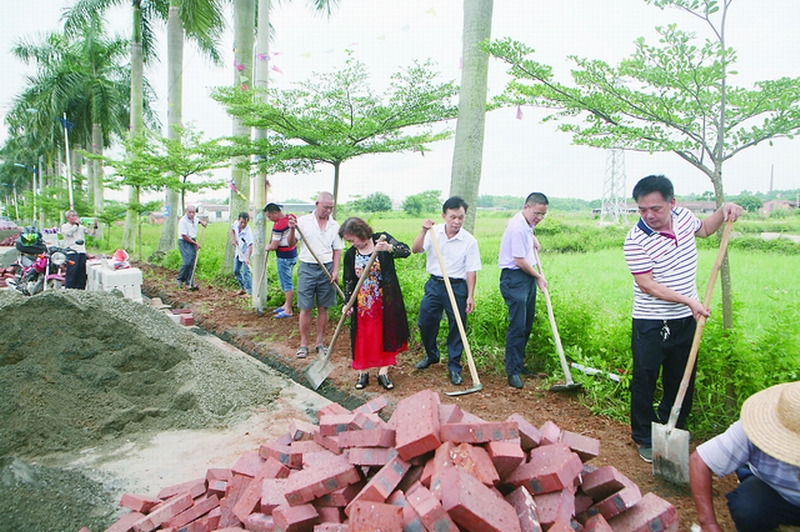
[{"x": 520, "y": 156}]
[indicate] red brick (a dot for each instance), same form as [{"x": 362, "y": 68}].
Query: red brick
[
  {"x": 317, "y": 458},
  {"x": 554, "y": 506},
  {"x": 368, "y": 516},
  {"x": 307, "y": 446},
  {"x": 214, "y": 517},
  {"x": 332, "y": 425},
  {"x": 530, "y": 436},
  {"x": 331, "y": 527},
  {"x": 551, "y": 433},
  {"x": 333, "y": 409},
  {"x": 199, "y": 525},
  {"x": 248, "y": 464},
  {"x": 551, "y": 468},
  {"x": 442, "y": 461},
  {"x": 219, "y": 473},
  {"x": 258, "y": 522},
  {"x": 603, "y": 482},
  {"x": 165, "y": 511},
  {"x": 450, "y": 414},
  {"x": 330, "y": 514},
  {"x": 341, "y": 497},
  {"x": 295, "y": 518},
  {"x": 650, "y": 513},
  {"x": 330, "y": 443},
  {"x": 302, "y": 430},
  {"x": 381, "y": 485},
  {"x": 525, "y": 507},
  {"x": 618, "y": 502},
  {"x": 414, "y": 474},
  {"x": 139, "y": 503},
  {"x": 250, "y": 499},
  {"x": 367, "y": 421},
  {"x": 84, "y": 529},
  {"x": 370, "y": 456},
  {"x": 474, "y": 507},
  {"x": 597, "y": 523},
  {"x": 272, "y": 490},
  {"x": 476, "y": 462},
  {"x": 125, "y": 522},
  {"x": 308, "y": 484},
  {"x": 187, "y": 320},
  {"x": 194, "y": 487},
  {"x": 411, "y": 521},
  {"x": 199, "y": 509},
  {"x": 217, "y": 487},
  {"x": 480, "y": 432},
  {"x": 506, "y": 456},
  {"x": 178, "y": 311},
  {"x": 431, "y": 512},
  {"x": 584, "y": 446},
  {"x": 236, "y": 487},
  {"x": 417, "y": 424},
  {"x": 375, "y": 437},
  {"x": 285, "y": 454},
  {"x": 565, "y": 526},
  {"x": 582, "y": 502},
  {"x": 374, "y": 406}
]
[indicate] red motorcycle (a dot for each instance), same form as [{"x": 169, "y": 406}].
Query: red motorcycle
[{"x": 39, "y": 268}]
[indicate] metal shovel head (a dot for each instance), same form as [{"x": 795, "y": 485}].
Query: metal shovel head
[
  {"x": 567, "y": 387},
  {"x": 475, "y": 388},
  {"x": 670, "y": 454},
  {"x": 318, "y": 370}
]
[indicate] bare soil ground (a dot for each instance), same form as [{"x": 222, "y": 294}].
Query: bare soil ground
[{"x": 274, "y": 341}]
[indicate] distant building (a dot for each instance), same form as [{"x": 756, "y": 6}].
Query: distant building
[
  {"x": 215, "y": 212},
  {"x": 777, "y": 204}
]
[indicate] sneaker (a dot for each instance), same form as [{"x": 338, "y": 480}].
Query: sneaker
[{"x": 646, "y": 453}]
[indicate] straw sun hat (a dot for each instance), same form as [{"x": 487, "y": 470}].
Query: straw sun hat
[{"x": 771, "y": 420}]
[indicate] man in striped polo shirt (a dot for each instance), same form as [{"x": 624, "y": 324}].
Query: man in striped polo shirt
[{"x": 661, "y": 254}]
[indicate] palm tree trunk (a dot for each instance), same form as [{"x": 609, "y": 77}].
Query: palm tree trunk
[
  {"x": 259, "y": 258},
  {"x": 465, "y": 177},
  {"x": 137, "y": 103},
  {"x": 174, "y": 119},
  {"x": 96, "y": 174},
  {"x": 244, "y": 20}
]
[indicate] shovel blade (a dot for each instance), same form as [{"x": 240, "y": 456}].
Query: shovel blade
[
  {"x": 670, "y": 454},
  {"x": 475, "y": 388},
  {"x": 318, "y": 370}
]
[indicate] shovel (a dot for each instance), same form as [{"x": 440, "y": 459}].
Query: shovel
[
  {"x": 570, "y": 384},
  {"x": 191, "y": 283},
  {"x": 671, "y": 445},
  {"x": 321, "y": 366},
  {"x": 321, "y": 265},
  {"x": 476, "y": 382},
  {"x": 259, "y": 301}
]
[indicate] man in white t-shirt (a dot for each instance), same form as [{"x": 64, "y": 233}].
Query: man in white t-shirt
[
  {"x": 242, "y": 239},
  {"x": 188, "y": 246}
]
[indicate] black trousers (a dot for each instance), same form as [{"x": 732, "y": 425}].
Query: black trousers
[
  {"x": 656, "y": 350},
  {"x": 75, "y": 276}
]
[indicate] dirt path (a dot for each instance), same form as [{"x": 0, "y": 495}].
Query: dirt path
[{"x": 274, "y": 341}]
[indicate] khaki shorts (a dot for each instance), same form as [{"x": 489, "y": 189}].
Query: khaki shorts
[{"x": 313, "y": 283}]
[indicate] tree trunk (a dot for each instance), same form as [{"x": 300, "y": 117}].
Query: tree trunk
[
  {"x": 96, "y": 173},
  {"x": 465, "y": 177},
  {"x": 137, "y": 102},
  {"x": 259, "y": 258},
  {"x": 174, "y": 120},
  {"x": 244, "y": 20},
  {"x": 335, "y": 188}
]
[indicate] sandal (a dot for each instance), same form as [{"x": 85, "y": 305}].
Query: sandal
[
  {"x": 384, "y": 381},
  {"x": 302, "y": 351},
  {"x": 363, "y": 380},
  {"x": 282, "y": 314},
  {"x": 320, "y": 348}
]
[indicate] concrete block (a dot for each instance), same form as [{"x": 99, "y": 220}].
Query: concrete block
[
  {"x": 473, "y": 506},
  {"x": 381, "y": 485},
  {"x": 368, "y": 516},
  {"x": 525, "y": 507},
  {"x": 375, "y": 437},
  {"x": 584, "y": 446},
  {"x": 431, "y": 512},
  {"x": 295, "y": 518},
  {"x": 417, "y": 424},
  {"x": 551, "y": 468},
  {"x": 551, "y": 433},
  {"x": 506, "y": 456},
  {"x": 480, "y": 432},
  {"x": 194, "y": 487},
  {"x": 530, "y": 436},
  {"x": 651, "y": 513},
  {"x": 308, "y": 484},
  {"x": 139, "y": 503}
]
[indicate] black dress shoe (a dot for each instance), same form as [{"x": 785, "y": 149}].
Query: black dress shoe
[
  {"x": 455, "y": 378},
  {"x": 514, "y": 381},
  {"x": 425, "y": 362},
  {"x": 384, "y": 381},
  {"x": 363, "y": 380}
]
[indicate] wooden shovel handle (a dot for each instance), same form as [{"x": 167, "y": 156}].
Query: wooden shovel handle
[
  {"x": 321, "y": 265},
  {"x": 698, "y": 332}
]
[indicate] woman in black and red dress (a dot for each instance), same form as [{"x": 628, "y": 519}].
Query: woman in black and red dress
[{"x": 378, "y": 323}]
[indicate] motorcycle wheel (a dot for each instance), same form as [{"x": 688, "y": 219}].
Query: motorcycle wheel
[
  {"x": 54, "y": 284},
  {"x": 36, "y": 286}
]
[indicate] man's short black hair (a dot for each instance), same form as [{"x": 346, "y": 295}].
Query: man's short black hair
[
  {"x": 243, "y": 216},
  {"x": 455, "y": 203},
  {"x": 273, "y": 207},
  {"x": 654, "y": 183},
  {"x": 536, "y": 198}
]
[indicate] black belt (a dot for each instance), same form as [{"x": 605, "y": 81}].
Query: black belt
[{"x": 452, "y": 281}]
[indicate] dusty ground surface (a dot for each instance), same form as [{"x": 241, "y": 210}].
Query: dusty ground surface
[{"x": 274, "y": 341}]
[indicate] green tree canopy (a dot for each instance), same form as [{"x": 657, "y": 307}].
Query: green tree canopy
[{"x": 427, "y": 202}]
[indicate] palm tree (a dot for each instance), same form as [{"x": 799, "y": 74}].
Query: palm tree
[{"x": 465, "y": 177}]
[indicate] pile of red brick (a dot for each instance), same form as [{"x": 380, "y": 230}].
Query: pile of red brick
[
  {"x": 431, "y": 467},
  {"x": 5, "y": 275}
]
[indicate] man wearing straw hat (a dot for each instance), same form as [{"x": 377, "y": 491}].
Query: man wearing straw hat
[{"x": 763, "y": 447}]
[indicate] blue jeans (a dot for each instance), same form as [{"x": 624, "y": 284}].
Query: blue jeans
[
  {"x": 242, "y": 274},
  {"x": 188, "y": 253},
  {"x": 433, "y": 303},
  {"x": 755, "y": 506},
  {"x": 519, "y": 291},
  {"x": 285, "y": 271}
]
